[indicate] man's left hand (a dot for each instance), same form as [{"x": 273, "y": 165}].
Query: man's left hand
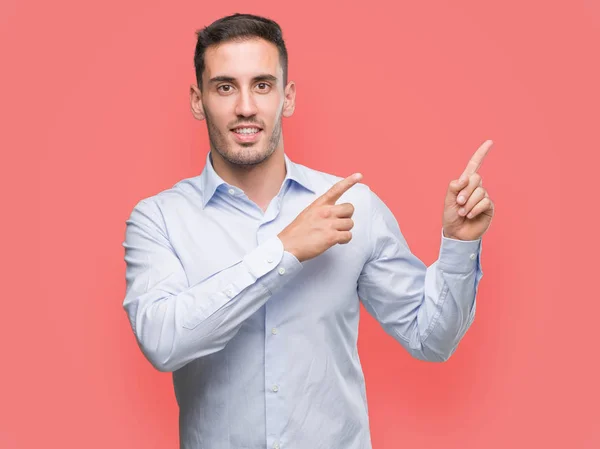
[{"x": 468, "y": 210}]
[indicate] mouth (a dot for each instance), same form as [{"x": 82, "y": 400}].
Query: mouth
[{"x": 247, "y": 133}]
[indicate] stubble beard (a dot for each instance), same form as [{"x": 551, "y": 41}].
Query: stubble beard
[{"x": 251, "y": 154}]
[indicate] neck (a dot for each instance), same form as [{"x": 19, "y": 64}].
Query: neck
[{"x": 259, "y": 182}]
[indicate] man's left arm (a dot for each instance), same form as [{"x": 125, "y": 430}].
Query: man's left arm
[
  {"x": 426, "y": 309},
  {"x": 429, "y": 309}
]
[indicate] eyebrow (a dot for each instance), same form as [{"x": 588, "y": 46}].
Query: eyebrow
[{"x": 229, "y": 79}]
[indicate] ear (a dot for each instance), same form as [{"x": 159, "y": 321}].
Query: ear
[
  {"x": 289, "y": 102},
  {"x": 196, "y": 102}
]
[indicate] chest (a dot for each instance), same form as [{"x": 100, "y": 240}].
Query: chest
[{"x": 216, "y": 239}]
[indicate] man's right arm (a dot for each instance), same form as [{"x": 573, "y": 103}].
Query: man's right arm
[{"x": 174, "y": 322}]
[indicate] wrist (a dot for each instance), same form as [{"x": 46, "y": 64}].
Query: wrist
[
  {"x": 450, "y": 236},
  {"x": 288, "y": 248}
]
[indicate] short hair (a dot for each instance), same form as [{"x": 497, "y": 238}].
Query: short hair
[{"x": 239, "y": 27}]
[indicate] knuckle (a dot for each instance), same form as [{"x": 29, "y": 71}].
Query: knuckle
[
  {"x": 325, "y": 212},
  {"x": 346, "y": 209}
]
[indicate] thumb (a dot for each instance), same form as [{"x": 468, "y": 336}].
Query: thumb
[{"x": 454, "y": 189}]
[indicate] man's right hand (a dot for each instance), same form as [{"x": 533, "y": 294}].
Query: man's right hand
[{"x": 322, "y": 224}]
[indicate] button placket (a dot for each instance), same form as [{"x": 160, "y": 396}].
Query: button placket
[
  {"x": 274, "y": 395},
  {"x": 273, "y": 376}
]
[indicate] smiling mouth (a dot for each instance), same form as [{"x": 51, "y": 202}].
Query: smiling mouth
[
  {"x": 246, "y": 135},
  {"x": 246, "y": 131}
]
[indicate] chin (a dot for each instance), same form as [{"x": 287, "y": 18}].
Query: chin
[{"x": 247, "y": 155}]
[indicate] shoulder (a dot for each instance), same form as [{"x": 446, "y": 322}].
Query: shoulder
[
  {"x": 367, "y": 204},
  {"x": 166, "y": 202},
  {"x": 360, "y": 195}
]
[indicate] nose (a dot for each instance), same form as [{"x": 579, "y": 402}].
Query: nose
[{"x": 245, "y": 105}]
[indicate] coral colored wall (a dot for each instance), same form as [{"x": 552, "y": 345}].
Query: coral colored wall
[{"x": 95, "y": 115}]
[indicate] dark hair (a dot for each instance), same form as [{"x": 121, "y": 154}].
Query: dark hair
[{"x": 239, "y": 27}]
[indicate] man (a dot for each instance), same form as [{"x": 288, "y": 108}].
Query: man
[{"x": 245, "y": 281}]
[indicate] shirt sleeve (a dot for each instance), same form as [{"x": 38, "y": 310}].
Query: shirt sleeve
[
  {"x": 174, "y": 322},
  {"x": 426, "y": 309}
]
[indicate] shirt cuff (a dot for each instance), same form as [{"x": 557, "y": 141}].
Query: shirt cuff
[
  {"x": 459, "y": 256},
  {"x": 265, "y": 257},
  {"x": 268, "y": 265},
  {"x": 271, "y": 265}
]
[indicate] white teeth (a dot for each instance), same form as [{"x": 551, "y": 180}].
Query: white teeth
[{"x": 247, "y": 130}]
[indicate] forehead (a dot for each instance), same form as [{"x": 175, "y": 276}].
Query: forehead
[{"x": 242, "y": 59}]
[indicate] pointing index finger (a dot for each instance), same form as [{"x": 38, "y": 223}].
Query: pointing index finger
[
  {"x": 477, "y": 158},
  {"x": 338, "y": 189}
]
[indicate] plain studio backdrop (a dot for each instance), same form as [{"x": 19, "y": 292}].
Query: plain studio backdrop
[{"x": 95, "y": 116}]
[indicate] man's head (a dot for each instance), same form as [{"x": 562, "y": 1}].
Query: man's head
[{"x": 241, "y": 72}]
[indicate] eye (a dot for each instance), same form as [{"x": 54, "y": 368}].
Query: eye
[
  {"x": 264, "y": 87},
  {"x": 227, "y": 86}
]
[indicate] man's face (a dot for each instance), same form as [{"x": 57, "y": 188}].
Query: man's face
[{"x": 243, "y": 100}]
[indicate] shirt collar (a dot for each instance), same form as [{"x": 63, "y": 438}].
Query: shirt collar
[{"x": 210, "y": 180}]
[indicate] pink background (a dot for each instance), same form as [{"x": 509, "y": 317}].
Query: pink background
[{"x": 95, "y": 116}]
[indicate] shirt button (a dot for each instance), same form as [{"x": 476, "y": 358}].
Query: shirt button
[
  {"x": 472, "y": 256},
  {"x": 275, "y": 388},
  {"x": 231, "y": 191},
  {"x": 281, "y": 270},
  {"x": 269, "y": 260},
  {"x": 229, "y": 292},
  {"x": 276, "y": 446},
  {"x": 274, "y": 331}
]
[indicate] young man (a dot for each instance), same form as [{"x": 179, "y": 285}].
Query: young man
[{"x": 245, "y": 281}]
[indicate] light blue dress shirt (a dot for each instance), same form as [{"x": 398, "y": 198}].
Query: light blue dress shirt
[{"x": 263, "y": 348}]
